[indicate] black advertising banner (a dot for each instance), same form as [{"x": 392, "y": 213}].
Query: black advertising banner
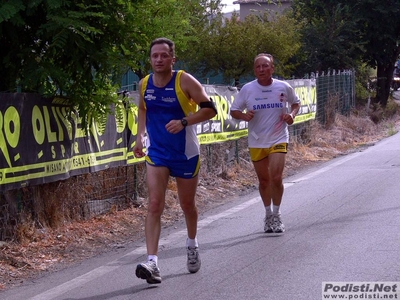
[
  {"x": 222, "y": 127},
  {"x": 40, "y": 142}
]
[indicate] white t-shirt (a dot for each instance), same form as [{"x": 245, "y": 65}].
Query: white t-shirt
[{"x": 269, "y": 104}]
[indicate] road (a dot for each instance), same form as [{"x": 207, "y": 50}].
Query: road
[{"x": 342, "y": 219}]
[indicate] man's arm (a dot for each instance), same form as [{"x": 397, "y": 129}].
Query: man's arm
[
  {"x": 289, "y": 118},
  {"x": 237, "y": 114},
  {"x": 294, "y": 109},
  {"x": 195, "y": 91}
]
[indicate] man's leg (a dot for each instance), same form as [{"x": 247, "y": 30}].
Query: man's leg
[
  {"x": 263, "y": 175},
  {"x": 275, "y": 167},
  {"x": 157, "y": 180},
  {"x": 264, "y": 187},
  {"x": 187, "y": 193},
  {"x": 269, "y": 172}
]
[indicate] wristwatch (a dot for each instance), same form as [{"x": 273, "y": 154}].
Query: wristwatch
[{"x": 184, "y": 122}]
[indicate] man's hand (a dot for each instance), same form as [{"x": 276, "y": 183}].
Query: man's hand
[
  {"x": 243, "y": 116},
  {"x": 138, "y": 150},
  {"x": 248, "y": 115},
  {"x": 174, "y": 126},
  {"x": 288, "y": 118}
]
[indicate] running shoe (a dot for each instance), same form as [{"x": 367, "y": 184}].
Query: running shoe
[
  {"x": 268, "y": 224},
  {"x": 149, "y": 272},
  {"x": 276, "y": 225},
  {"x": 193, "y": 259}
]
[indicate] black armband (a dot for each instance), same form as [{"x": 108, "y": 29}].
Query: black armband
[{"x": 208, "y": 105}]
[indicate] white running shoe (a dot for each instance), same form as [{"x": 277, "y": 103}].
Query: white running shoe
[
  {"x": 149, "y": 272},
  {"x": 193, "y": 259}
]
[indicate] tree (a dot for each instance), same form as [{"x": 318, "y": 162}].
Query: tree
[
  {"x": 228, "y": 46},
  {"x": 342, "y": 34},
  {"x": 76, "y": 49},
  {"x": 327, "y": 34},
  {"x": 80, "y": 49},
  {"x": 378, "y": 24},
  {"x": 174, "y": 19}
]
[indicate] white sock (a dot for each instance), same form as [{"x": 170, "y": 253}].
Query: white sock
[
  {"x": 192, "y": 243},
  {"x": 153, "y": 258},
  {"x": 268, "y": 211},
  {"x": 276, "y": 209}
]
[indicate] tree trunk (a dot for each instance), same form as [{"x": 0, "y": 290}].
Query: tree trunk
[{"x": 384, "y": 80}]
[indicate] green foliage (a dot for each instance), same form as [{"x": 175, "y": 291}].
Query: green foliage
[
  {"x": 178, "y": 20},
  {"x": 341, "y": 34},
  {"x": 363, "y": 84},
  {"x": 75, "y": 49},
  {"x": 328, "y": 35},
  {"x": 79, "y": 49},
  {"x": 228, "y": 46},
  {"x": 379, "y": 30}
]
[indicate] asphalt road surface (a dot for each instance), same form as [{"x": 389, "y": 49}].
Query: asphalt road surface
[{"x": 343, "y": 225}]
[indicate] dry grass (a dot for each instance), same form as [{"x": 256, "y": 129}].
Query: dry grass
[{"x": 45, "y": 249}]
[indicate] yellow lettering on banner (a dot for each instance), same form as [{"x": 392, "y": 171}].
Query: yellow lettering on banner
[
  {"x": 76, "y": 148},
  {"x": 10, "y": 130},
  {"x": 38, "y": 125},
  {"x": 55, "y": 167},
  {"x": 302, "y": 93},
  {"x": 51, "y": 135},
  {"x": 62, "y": 150},
  {"x": 62, "y": 114},
  {"x": 314, "y": 95},
  {"x": 60, "y": 129},
  {"x": 53, "y": 152},
  {"x": 222, "y": 106},
  {"x": 120, "y": 117},
  {"x": 307, "y": 96},
  {"x": 97, "y": 129},
  {"x": 132, "y": 119}
]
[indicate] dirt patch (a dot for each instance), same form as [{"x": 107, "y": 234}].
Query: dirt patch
[{"x": 48, "y": 249}]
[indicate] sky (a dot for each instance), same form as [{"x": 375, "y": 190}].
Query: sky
[{"x": 229, "y": 6}]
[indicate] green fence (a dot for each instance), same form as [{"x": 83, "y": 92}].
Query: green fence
[{"x": 335, "y": 94}]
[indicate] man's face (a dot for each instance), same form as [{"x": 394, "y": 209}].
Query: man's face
[
  {"x": 263, "y": 67},
  {"x": 161, "y": 58}
]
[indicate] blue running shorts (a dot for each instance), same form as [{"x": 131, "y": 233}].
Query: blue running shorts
[{"x": 181, "y": 168}]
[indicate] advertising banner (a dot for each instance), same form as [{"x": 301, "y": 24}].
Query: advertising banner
[{"x": 42, "y": 140}]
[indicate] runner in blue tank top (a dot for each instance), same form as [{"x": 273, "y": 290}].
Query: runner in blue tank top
[
  {"x": 171, "y": 103},
  {"x": 162, "y": 105}
]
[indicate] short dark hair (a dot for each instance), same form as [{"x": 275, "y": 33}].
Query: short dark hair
[{"x": 163, "y": 40}]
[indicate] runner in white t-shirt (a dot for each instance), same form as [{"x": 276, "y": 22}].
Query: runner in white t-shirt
[{"x": 265, "y": 103}]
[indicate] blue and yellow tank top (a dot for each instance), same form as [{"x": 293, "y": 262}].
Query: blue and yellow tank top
[{"x": 163, "y": 105}]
